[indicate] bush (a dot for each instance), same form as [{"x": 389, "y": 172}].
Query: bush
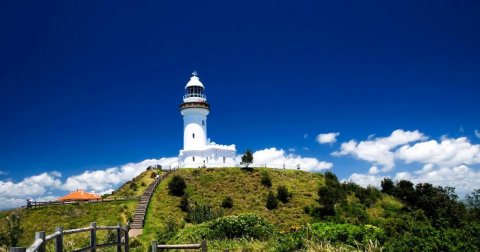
[
  {"x": 266, "y": 180},
  {"x": 166, "y": 233},
  {"x": 200, "y": 213},
  {"x": 184, "y": 203},
  {"x": 249, "y": 226},
  {"x": 153, "y": 175},
  {"x": 177, "y": 186},
  {"x": 227, "y": 202},
  {"x": 346, "y": 233},
  {"x": 272, "y": 201},
  {"x": 283, "y": 194},
  {"x": 13, "y": 231},
  {"x": 242, "y": 226},
  {"x": 133, "y": 186}
]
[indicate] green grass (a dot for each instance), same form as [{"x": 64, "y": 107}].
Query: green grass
[
  {"x": 244, "y": 187},
  {"x": 143, "y": 181},
  {"x": 70, "y": 216}
]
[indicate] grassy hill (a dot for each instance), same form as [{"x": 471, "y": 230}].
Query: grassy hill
[
  {"x": 359, "y": 219},
  {"x": 211, "y": 186}
]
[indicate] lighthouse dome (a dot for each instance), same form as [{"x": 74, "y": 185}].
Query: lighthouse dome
[{"x": 194, "y": 81}]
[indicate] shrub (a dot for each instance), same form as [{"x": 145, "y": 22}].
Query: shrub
[
  {"x": 266, "y": 180},
  {"x": 283, "y": 194},
  {"x": 184, "y": 203},
  {"x": 133, "y": 186},
  {"x": 135, "y": 243},
  {"x": 272, "y": 201},
  {"x": 13, "y": 231},
  {"x": 177, "y": 186},
  {"x": 242, "y": 226},
  {"x": 200, "y": 213},
  {"x": 143, "y": 184},
  {"x": 153, "y": 175},
  {"x": 166, "y": 233},
  {"x": 227, "y": 202},
  {"x": 347, "y": 233}
]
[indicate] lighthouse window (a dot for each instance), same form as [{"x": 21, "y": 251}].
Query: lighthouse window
[
  {"x": 193, "y": 135},
  {"x": 224, "y": 160},
  {"x": 203, "y": 122},
  {"x": 193, "y": 159}
]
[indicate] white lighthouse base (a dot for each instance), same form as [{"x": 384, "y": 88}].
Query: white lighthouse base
[{"x": 211, "y": 155}]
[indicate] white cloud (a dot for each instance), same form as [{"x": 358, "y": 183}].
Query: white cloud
[
  {"x": 40, "y": 187},
  {"x": 366, "y": 179},
  {"x": 30, "y": 186},
  {"x": 448, "y": 152},
  {"x": 327, "y": 137},
  {"x": 379, "y": 151},
  {"x": 373, "y": 170},
  {"x": 463, "y": 178},
  {"x": 477, "y": 133},
  {"x": 111, "y": 178},
  {"x": 276, "y": 158},
  {"x": 291, "y": 149},
  {"x": 15, "y": 194},
  {"x": 305, "y": 135}
]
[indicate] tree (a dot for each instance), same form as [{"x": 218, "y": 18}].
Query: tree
[
  {"x": 388, "y": 186},
  {"x": 283, "y": 194},
  {"x": 247, "y": 158},
  {"x": 177, "y": 185},
  {"x": 272, "y": 201},
  {"x": 405, "y": 191},
  {"x": 473, "y": 202}
]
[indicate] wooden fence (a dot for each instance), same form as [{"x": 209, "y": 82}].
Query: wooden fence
[
  {"x": 202, "y": 246},
  {"x": 39, "y": 245},
  {"x": 35, "y": 204}
]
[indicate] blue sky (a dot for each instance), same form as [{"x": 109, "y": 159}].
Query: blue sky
[{"x": 88, "y": 85}]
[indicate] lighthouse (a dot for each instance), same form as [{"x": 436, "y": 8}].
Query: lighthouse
[{"x": 197, "y": 150}]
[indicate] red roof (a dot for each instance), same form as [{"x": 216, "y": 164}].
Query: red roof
[{"x": 79, "y": 194}]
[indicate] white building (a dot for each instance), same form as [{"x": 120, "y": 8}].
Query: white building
[{"x": 198, "y": 151}]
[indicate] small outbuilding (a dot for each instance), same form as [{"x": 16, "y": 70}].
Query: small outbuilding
[{"x": 79, "y": 195}]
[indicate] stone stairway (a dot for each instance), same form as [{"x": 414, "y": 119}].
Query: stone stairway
[{"x": 139, "y": 216}]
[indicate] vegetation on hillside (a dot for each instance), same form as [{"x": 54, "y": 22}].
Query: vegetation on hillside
[
  {"x": 314, "y": 212},
  {"x": 69, "y": 217},
  {"x": 259, "y": 209}
]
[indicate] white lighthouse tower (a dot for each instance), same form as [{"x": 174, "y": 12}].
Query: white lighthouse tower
[{"x": 198, "y": 151}]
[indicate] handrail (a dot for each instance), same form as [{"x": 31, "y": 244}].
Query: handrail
[
  {"x": 202, "y": 246},
  {"x": 35, "y": 204},
  {"x": 39, "y": 244}
]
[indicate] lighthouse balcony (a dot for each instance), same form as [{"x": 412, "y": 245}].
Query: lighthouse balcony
[{"x": 198, "y": 104}]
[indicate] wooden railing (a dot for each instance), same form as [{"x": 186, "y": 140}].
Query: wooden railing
[
  {"x": 39, "y": 245},
  {"x": 202, "y": 246},
  {"x": 35, "y": 204}
]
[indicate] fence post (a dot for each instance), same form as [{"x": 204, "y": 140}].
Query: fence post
[
  {"x": 40, "y": 235},
  {"x": 93, "y": 236},
  {"x": 154, "y": 246},
  {"x": 59, "y": 240},
  {"x": 119, "y": 238},
  {"x": 127, "y": 229},
  {"x": 18, "y": 249},
  {"x": 204, "y": 246}
]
